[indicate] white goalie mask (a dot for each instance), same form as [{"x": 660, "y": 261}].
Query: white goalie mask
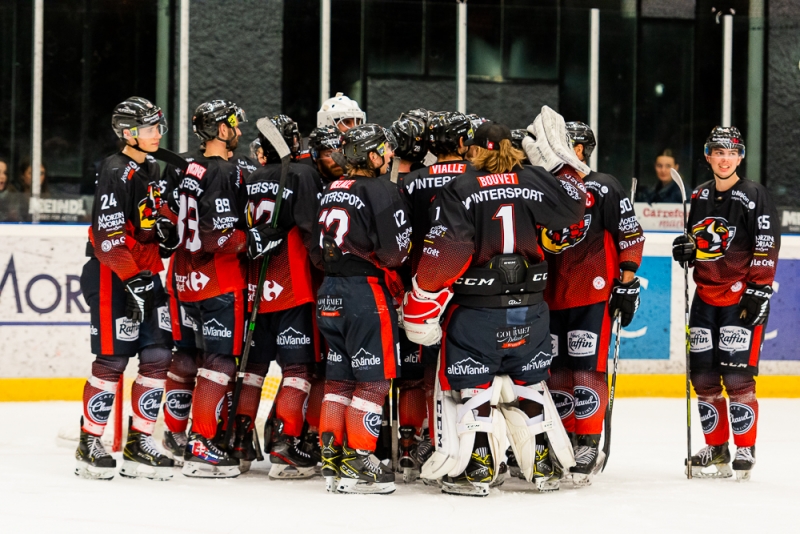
[{"x": 339, "y": 108}]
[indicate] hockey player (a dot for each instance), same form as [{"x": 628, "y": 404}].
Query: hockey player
[
  {"x": 322, "y": 142},
  {"x": 365, "y": 234},
  {"x": 482, "y": 252},
  {"x": 589, "y": 262},
  {"x": 732, "y": 243},
  {"x": 341, "y": 112},
  {"x": 128, "y": 304},
  {"x": 209, "y": 277}
]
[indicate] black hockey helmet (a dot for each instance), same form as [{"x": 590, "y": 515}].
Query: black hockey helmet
[
  {"x": 419, "y": 113},
  {"x": 209, "y": 115},
  {"x": 324, "y": 138},
  {"x": 290, "y": 133},
  {"x": 445, "y": 128},
  {"x": 409, "y": 131},
  {"x": 579, "y": 133},
  {"x": 358, "y": 142},
  {"x": 476, "y": 120},
  {"x": 137, "y": 112},
  {"x": 725, "y": 137}
]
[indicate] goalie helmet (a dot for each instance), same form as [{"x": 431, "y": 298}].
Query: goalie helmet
[
  {"x": 338, "y": 108},
  {"x": 290, "y": 133},
  {"x": 517, "y": 136},
  {"x": 445, "y": 129},
  {"x": 579, "y": 133},
  {"x": 725, "y": 137},
  {"x": 409, "y": 131},
  {"x": 209, "y": 115},
  {"x": 358, "y": 142},
  {"x": 134, "y": 113},
  {"x": 324, "y": 138}
]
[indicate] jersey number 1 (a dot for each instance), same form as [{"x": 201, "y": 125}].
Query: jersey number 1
[{"x": 506, "y": 217}]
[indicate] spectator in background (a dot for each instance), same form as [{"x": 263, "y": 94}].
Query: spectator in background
[
  {"x": 25, "y": 180},
  {"x": 665, "y": 190},
  {"x": 4, "y": 186}
]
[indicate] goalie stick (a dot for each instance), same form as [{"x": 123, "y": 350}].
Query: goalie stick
[{"x": 268, "y": 129}]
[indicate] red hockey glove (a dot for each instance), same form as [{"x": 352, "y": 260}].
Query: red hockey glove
[{"x": 421, "y": 313}]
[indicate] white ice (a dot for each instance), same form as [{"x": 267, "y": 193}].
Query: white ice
[{"x": 642, "y": 490}]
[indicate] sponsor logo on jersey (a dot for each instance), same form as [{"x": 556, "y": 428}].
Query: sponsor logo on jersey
[
  {"x": 467, "y": 366},
  {"x": 196, "y": 170},
  {"x": 372, "y": 422},
  {"x": 93, "y": 330},
  {"x": 554, "y": 343},
  {"x": 503, "y": 193},
  {"x": 713, "y": 236},
  {"x": 447, "y": 168},
  {"x": 762, "y": 263},
  {"x": 564, "y": 402},
  {"x": 214, "y": 329},
  {"x": 194, "y": 281},
  {"x": 179, "y": 403},
  {"x": 709, "y": 417},
  {"x": 734, "y": 339},
  {"x": 334, "y": 356},
  {"x": 292, "y": 339},
  {"x": 599, "y": 282},
  {"x": 364, "y": 360},
  {"x": 187, "y": 321},
  {"x": 704, "y": 194},
  {"x": 164, "y": 322},
  {"x": 342, "y": 184},
  {"x": 736, "y": 287},
  {"x": 628, "y": 224},
  {"x": 330, "y": 306},
  {"x": 541, "y": 361},
  {"x": 743, "y": 417},
  {"x": 587, "y": 402},
  {"x": 557, "y": 241},
  {"x": 742, "y": 197},
  {"x": 342, "y": 198},
  {"x": 581, "y": 343},
  {"x": 412, "y": 357},
  {"x": 272, "y": 290},
  {"x": 108, "y": 244},
  {"x": 491, "y": 180},
  {"x": 190, "y": 184},
  {"x": 112, "y": 221},
  {"x": 99, "y": 407},
  {"x": 126, "y": 330},
  {"x": 512, "y": 336},
  {"x": 764, "y": 243},
  {"x": 699, "y": 339},
  {"x": 571, "y": 190},
  {"x": 150, "y": 402},
  {"x": 404, "y": 239},
  {"x": 224, "y": 223}
]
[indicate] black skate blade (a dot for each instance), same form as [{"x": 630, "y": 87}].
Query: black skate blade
[
  {"x": 131, "y": 469},
  {"x": 203, "y": 470},
  {"x": 90, "y": 472},
  {"x": 356, "y": 486}
]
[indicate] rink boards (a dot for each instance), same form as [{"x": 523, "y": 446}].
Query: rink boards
[{"x": 45, "y": 333}]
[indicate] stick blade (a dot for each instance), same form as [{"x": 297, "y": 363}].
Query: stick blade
[
  {"x": 268, "y": 129},
  {"x": 678, "y": 180}
]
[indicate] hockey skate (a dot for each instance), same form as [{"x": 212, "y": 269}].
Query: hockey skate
[
  {"x": 331, "y": 460},
  {"x": 513, "y": 466},
  {"x": 243, "y": 447},
  {"x": 310, "y": 444},
  {"x": 408, "y": 457},
  {"x": 716, "y": 456},
  {"x": 362, "y": 472},
  {"x": 92, "y": 460},
  {"x": 743, "y": 462},
  {"x": 424, "y": 451},
  {"x": 476, "y": 479},
  {"x": 589, "y": 460},
  {"x": 288, "y": 457},
  {"x": 204, "y": 459},
  {"x": 175, "y": 445},
  {"x": 141, "y": 458},
  {"x": 546, "y": 476}
]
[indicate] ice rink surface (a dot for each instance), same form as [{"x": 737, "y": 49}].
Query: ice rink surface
[{"x": 642, "y": 490}]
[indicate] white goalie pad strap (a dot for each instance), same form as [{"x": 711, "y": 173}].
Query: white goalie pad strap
[
  {"x": 551, "y": 147},
  {"x": 105, "y": 385},
  {"x": 366, "y": 406},
  {"x": 297, "y": 383},
  {"x": 153, "y": 383},
  {"x": 179, "y": 379},
  {"x": 332, "y": 397},
  {"x": 252, "y": 379},
  {"x": 215, "y": 376},
  {"x": 143, "y": 425}
]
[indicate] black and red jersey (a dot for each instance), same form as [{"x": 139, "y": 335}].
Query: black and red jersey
[
  {"x": 126, "y": 201},
  {"x": 211, "y": 227},
  {"x": 421, "y": 187},
  {"x": 584, "y": 258},
  {"x": 480, "y": 214},
  {"x": 737, "y": 233},
  {"x": 288, "y": 281}
]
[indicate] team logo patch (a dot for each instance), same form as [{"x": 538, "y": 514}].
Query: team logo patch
[
  {"x": 540, "y": 361},
  {"x": 126, "y": 330},
  {"x": 148, "y": 207},
  {"x": 581, "y": 343},
  {"x": 330, "y": 306},
  {"x": 99, "y": 407},
  {"x": 743, "y": 417},
  {"x": 293, "y": 339},
  {"x": 589, "y": 199},
  {"x": 512, "y": 336},
  {"x": 565, "y": 403},
  {"x": 709, "y": 417},
  {"x": 179, "y": 403},
  {"x": 554, "y": 342},
  {"x": 587, "y": 402},
  {"x": 713, "y": 236},
  {"x": 372, "y": 422},
  {"x": 736, "y": 287},
  {"x": 164, "y": 322},
  {"x": 556, "y": 241},
  {"x": 599, "y": 283},
  {"x": 467, "y": 366},
  {"x": 734, "y": 339},
  {"x": 700, "y": 339},
  {"x": 150, "y": 402}
]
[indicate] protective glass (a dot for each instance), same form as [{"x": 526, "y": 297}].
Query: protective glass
[{"x": 149, "y": 132}]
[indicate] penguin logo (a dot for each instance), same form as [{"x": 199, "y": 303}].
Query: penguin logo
[
  {"x": 713, "y": 236},
  {"x": 556, "y": 241}
]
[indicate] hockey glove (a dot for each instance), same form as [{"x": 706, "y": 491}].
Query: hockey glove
[
  {"x": 167, "y": 233},
  {"x": 262, "y": 239},
  {"x": 625, "y": 300},
  {"x": 684, "y": 249},
  {"x": 140, "y": 299},
  {"x": 755, "y": 304},
  {"x": 421, "y": 313}
]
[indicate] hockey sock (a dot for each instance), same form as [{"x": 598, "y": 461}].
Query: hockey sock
[
  {"x": 741, "y": 389},
  {"x": 365, "y": 414},
  {"x": 291, "y": 402},
  {"x": 412, "y": 406},
  {"x": 210, "y": 393},
  {"x": 99, "y": 392},
  {"x": 250, "y": 397},
  {"x": 591, "y": 398},
  {"x": 711, "y": 405},
  {"x": 334, "y": 405},
  {"x": 561, "y": 386},
  {"x": 315, "y": 404},
  {"x": 148, "y": 388},
  {"x": 179, "y": 390}
]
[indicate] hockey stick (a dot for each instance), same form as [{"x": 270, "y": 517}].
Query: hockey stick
[
  {"x": 678, "y": 180},
  {"x": 394, "y": 423},
  {"x": 268, "y": 129},
  {"x": 171, "y": 158},
  {"x": 617, "y": 329}
]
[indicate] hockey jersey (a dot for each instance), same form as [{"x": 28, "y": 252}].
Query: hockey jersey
[
  {"x": 479, "y": 215},
  {"x": 584, "y": 258},
  {"x": 288, "y": 281},
  {"x": 211, "y": 229},
  {"x": 737, "y": 233}
]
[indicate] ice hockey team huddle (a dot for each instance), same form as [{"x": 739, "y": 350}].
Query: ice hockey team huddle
[{"x": 440, "y": 295}]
